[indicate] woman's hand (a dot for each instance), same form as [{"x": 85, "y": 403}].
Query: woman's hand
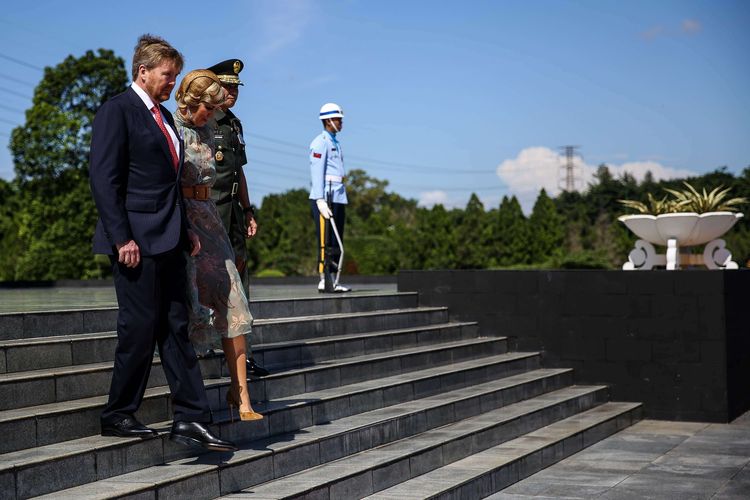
[{"x": 252, "y": 226}]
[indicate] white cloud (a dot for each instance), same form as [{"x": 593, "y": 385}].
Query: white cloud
[
  {"x": 691, "y": 26},
  {"x": 431, "y": 198},
  {"x": 540, "y": 167},
  {"x": 638, "y": 170}
]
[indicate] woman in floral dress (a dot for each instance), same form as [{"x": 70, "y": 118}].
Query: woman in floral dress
[{"x": 218, "y": 305}]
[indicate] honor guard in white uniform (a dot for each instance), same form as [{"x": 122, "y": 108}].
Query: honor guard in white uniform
[{"x": 328, "y": 194}]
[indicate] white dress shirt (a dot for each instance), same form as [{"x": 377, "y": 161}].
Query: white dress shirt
[{"x": 150, "y": 104}]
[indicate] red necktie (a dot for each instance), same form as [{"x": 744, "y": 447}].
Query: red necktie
[{"x": 160, "y": 122}]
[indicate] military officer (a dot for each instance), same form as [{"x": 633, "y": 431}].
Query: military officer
[
  {"x": 230, "y": 189},
  {"x": 327, "y": 183}
]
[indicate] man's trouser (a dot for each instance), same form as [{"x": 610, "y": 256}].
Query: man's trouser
[{"x": 326, "y": 240}]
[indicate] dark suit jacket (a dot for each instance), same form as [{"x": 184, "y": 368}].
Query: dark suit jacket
[{"x": 134, "y": 185}]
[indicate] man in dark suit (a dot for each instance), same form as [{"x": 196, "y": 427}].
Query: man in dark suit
[{"x": 135, "y": 163}]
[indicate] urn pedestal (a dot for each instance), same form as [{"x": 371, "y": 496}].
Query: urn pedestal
[{"x": 676, "y": 231}]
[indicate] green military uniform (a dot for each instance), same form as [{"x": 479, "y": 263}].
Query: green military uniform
[{"x": 230, "y": 158}]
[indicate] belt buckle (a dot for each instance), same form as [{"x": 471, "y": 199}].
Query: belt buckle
[{"x": 235, "y": 188}]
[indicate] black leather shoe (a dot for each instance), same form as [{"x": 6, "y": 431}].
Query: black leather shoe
[
  {"x": 255, "y": 370},
  {"x": 197, "y": 434},
  {"x": 128, "y": 427}
]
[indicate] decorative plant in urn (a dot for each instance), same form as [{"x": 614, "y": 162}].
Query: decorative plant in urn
[{"x": 680, "y": 219}]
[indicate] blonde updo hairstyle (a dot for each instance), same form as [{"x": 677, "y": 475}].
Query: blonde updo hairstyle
[{"x": 200, "y": 85}]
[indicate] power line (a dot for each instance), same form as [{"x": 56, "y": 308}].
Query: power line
[
  {"x": 277, "y": 174},
  {"x": 252, "y": 184},
  {"x": 270, "y": 139},
  {"x": 272, "y": 150},
  {"x": 276, "y": 165},
  {"x": 9, "y": 108},
  {"x": 19, "y": 61},
  {"x": 10, "y": 122},
  {"x": 360, "y": 159},
  {"x": 13, "y": 79},
  {"x": 452, "y": 189},
  {"x": 9, "y": 91}
]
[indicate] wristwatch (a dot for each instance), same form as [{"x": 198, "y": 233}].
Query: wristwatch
[{"x": 249, "y": 210}]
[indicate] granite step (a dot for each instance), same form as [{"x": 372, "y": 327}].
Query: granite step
[
  {"x": 62, "y": 421},
  {"x": 22, "y": 325},
  {"x": 38, "y": 387},
  {"x": 366, "y": 415},
  {"x": 69, "y": 350},
  {"x": 492, "y": 470},
  {"x": 325, "y": 304},
  {"x": 309, "y": 327},
  {"x": 54, "y": 385},
  {"x": 280, "y": 355},
  {"x": 52, "y": 350},
  {"x": 381, "y": 467},
  {"x": 281, "y": 455},
  {"x": 38, "y": 353}
]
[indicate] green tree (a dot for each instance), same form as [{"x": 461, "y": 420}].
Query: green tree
[
  {"x": 286, "y": 234},
  {"x": 376, "y": 221},
  {"x": 510, "y": 235},
  {"x": 9, "y": 245},
  {"x": 54, "y": 142},
  {"x": 547, "y": 229},
  {"x": 366, "y": 195},
  {"x": 434, "y": 243},
  {"x": 56, "y": 215},
  {"x": 472, "y": 244}
]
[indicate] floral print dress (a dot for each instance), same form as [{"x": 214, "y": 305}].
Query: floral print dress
[{"x": 218, "y": 305}]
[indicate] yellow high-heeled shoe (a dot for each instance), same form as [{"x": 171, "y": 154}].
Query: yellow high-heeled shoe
[{"x": 233, "y": 399}]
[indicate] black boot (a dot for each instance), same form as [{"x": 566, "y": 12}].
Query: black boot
[{"x": 255, "y": 370}]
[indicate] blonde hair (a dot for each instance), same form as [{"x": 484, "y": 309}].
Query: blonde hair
[
  {"x": 200, "y": 85},
  {"x": 151, "y": 51}
]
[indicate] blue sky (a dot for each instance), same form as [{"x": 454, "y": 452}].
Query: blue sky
[{"x": 441, "y": 98}]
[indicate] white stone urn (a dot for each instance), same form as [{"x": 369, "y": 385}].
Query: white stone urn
[{"x": 680, "y": 230}]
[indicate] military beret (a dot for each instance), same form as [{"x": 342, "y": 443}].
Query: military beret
[{"x": 228, "y": 71}]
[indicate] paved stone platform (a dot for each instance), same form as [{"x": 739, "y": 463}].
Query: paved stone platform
[
  {"x": 651, "y": 460},
  {"x": 56, "y": 298}
]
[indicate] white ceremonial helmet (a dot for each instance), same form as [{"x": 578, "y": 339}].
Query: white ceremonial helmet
[{"x": 331, "y": 110}]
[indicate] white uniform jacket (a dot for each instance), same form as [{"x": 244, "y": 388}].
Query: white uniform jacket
[{"x": 327, "y": 168}]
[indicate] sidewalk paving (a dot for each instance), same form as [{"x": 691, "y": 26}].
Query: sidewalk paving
[{"x": 653, "y": 459}]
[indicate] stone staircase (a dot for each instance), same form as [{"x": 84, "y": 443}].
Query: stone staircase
[{"x": 370, "y": 396}]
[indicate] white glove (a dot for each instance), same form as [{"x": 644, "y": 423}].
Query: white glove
[{"x": 323, "y": 208}]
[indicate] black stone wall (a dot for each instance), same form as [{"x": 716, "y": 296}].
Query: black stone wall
[{"x": 678, "y": 341}]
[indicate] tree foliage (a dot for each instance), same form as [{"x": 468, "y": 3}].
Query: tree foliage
[
  {"x": 386, "y": 232},
  {"x": 54, "y": 215}
]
